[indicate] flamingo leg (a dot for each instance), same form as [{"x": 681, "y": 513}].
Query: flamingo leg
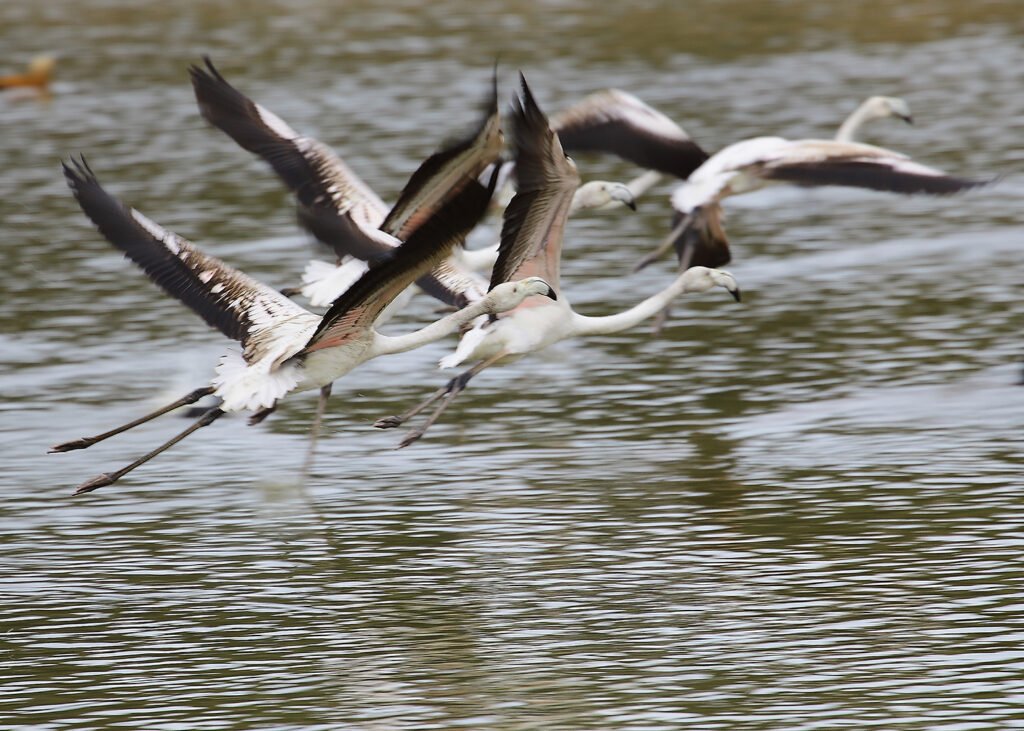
[
  {"x": 664, "y": 247},
  {"x": 84, "y": 442},
  {"x": 262, "y": 414},
  {"x": 314, "y": 430},
  {"x": 109, "y": 478},
  {"x": 390, "y": 422},
  {"x": 455, "y": 386}
]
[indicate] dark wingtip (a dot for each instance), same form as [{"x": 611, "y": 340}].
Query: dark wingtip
[
  {"x": 77, "y": 172},
  {"x": 199, "y": 75},
  {"x": 530, "y": 102}
]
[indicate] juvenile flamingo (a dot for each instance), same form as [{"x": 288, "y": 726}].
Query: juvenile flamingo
[{"x": 531, "y": 243}]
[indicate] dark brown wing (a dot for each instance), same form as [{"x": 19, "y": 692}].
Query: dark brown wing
[
  {"x": 619, "y": 123},
  {"x": 700, "y": 238},
  {"x": 324, "y": 186},
  {"x": 445, "y": 173},
  {"x": 872, "y": 174},
  {"x": 431, "y": 242},
  {"x": 546, "y": 180},
  {"x": 224, "y": 297},
  {"x": 831, "y": 162}
]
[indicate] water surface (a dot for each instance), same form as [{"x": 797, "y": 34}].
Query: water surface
[{"x": 800, "y": 513}]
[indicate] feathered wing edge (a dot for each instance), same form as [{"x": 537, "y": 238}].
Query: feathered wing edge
[
  {"x": 446, "y": 172},
  {"x": 234, "y": 303},
  {"x": 615, "y": 122},
  {"x": 899, "y": 177},
  {"x": 546, "y": 180},
  {"x": 335, "y": 205}
]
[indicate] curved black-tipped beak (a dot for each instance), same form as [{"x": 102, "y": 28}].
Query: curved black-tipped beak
[
  {"x": 551, "y": 293},
  {"x": 736, "y": 294},
  {"x": 907, "y": 118},
  {"x": 623, "y": 195}
]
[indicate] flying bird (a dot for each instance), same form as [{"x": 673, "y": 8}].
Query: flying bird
[
  {"x": 698, "y": 235},
  {"x": 285, "y": 347},
  {"x": 333, "y": 202},
  {"x": 531, "y": 244}
]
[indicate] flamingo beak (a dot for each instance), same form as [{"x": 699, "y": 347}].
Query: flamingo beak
[
  {"x": 907, "y": 118},
  {"x": 624, "y": 195},
  {"x": 736, "y": 294},
  {"x": 551, "y": 293}
]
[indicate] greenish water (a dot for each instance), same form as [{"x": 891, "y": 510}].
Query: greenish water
[{"x": 799, "y": 513}]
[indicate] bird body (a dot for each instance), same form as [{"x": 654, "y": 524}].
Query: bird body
[{"x": 532, "y": 326}]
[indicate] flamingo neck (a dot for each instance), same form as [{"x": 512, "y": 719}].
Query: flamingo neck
[
  {"x": 649, "y": 307},
  {"x": 852, "y": 124},
  {"x": 386, "y": 344}
]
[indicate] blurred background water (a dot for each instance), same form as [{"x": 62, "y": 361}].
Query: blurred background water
[{"x": 803, "y": 512}]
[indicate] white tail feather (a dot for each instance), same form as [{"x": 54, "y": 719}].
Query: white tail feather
[
  {"x": 243, "y": 387},
  {"x": 325, "y": 282}
]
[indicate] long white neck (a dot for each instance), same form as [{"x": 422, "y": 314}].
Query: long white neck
[
  {"x": 385, "y": 344},
  {"x": 852, "y": 124},
  {"x": 583, "y": 325},
  {"x": 642, "y": 183},
  {"x": 579, "y": 200}
]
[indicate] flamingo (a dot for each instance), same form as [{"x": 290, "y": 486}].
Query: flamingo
[
  {"x": 339, "y": 209},
  {"x": 617, "y": 122},
  {"x": 531, "y": 243},
  {"x": 698, "y": 235},
  {"x": 285, "y": 347},
  {"x": 874, "y": 107}
]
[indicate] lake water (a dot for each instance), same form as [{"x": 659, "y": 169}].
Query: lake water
[{"x": 802, "y": 512}]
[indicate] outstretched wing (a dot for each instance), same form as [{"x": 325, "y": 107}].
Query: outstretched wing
[
  {"x": 234, "y": 303},
  {"x": 828, "y": 162},
  {"x": 445, "y": 173},
  {"x": 546, "y": 180},
  {"x": 337, "y": 207},
  {"x": 619, "y": 123},
  {"x": 356, "y": 310}
]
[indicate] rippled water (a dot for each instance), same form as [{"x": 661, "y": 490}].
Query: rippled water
[{"x": 803, "y": 512}]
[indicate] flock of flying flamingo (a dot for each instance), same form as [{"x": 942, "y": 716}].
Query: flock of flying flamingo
[{"x": 383, "y": 254}]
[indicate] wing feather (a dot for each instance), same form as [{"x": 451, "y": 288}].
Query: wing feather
[
  {"x": 546, "y": 180},
  {"x": 324, "y": 186},
  {"x": 445, "y": 173},
  {"x": 831, "y": 162},
  {"x": 234, "y": 303},
  {"x": 619, "y": 123},
  {"x": 873, "y": 174}
]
